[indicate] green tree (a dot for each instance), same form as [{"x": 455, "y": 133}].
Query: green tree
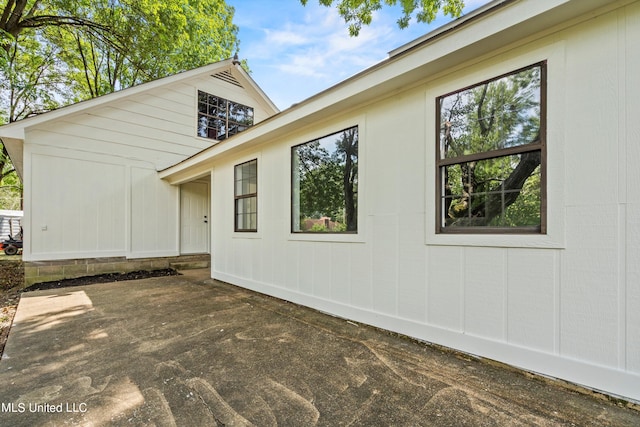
[
  {"x": 328, "y": 176},
  {"x": 491, "y": 185},
  {"x": 104, "y": 45},
  {"x": 155, "y": 39},
  {"x": 31, "y": 81},
  {"x": 11, "y": 187},
  {"x": 347, "y": 153},
  {"x": 357, "y": 13},
  {"x": 56, "y": 52},
  {"x": 21, "y": 15},
  {"x": 320, "y": 182}
]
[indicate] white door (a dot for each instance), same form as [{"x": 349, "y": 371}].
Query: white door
[{"x": 194, "y": 218}]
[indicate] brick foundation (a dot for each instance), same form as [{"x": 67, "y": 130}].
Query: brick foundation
[{"x": 46, "y": 271}]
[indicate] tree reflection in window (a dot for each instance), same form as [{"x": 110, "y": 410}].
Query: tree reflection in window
[
  {"x": 219, "y": 118},
  {"x": 325, "y": 184},
  {"x": 491, "y": 143}
]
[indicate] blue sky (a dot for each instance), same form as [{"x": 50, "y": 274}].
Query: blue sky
[{"x": 296, "y": 51}]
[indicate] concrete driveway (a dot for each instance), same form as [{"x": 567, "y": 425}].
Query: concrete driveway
[{"x": 189, "y": 351}]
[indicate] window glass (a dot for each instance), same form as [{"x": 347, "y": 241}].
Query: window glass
[
  {"x": 219, "y": 118},
  {"x": 246, "y": 196},
  {"x": 497, "y": 114},
  {"x": 490, "y": 155},
  {"x": 488, "y": 197},
  {"x": 325, "y": 184}
]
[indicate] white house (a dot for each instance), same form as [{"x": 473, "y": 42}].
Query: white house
[
  {"x": 93, "y": 199},
  {"x": 475, "y": 190}
]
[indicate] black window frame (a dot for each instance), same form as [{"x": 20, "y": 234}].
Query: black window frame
[
  {"x": 293, "y": 212},
  {"x": 219, "y": 117},
  {"x": 242, "y": 197},
  {"x": 538, "y": 146}
]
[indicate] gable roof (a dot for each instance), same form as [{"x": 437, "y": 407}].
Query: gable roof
[
  {"x": 485, "y": 31},
  {"x": 228, "y": 71},
  {"x": 225, "y": 70}
]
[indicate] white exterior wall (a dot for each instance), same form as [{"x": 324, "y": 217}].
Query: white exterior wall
[
  {"x": 565, "y": 304},
  {"x": 91, "y": 184}
]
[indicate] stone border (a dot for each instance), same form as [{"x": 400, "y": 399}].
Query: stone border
[{"x": 47, "y": 271}]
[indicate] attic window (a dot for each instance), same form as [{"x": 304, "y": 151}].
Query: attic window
[{"x": 219, "y": 118}]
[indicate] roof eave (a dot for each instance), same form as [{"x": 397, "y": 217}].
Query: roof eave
[
  {"x": 466, "y": 19},
  {"x": 495, "y": 26},
  {"x": 14, "y": 148}
]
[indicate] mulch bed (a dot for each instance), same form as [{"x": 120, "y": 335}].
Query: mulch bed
[{"x": 101, "y": 278}]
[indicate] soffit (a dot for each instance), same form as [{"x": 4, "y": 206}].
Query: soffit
[{"x": 14, "y": 148}]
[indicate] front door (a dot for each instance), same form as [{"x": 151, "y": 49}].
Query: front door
[{"x": 194, "y": 218}]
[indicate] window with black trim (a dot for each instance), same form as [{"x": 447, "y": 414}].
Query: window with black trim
[
  {"x": 246, "y": 196},
  {"x": 324, "y": 180},
  {"x": 491, "y": 157},
  {"x": 219, "y": 118}
]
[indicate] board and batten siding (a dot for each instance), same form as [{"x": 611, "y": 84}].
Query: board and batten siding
[
  {"x": 91, "y": 185},
  {"x": 565, "y": 305}
]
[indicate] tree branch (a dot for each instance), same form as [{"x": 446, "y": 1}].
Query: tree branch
[
  {"x": 492, "y": 206},
  {"x": 59, "y": 21},
  {"x": 484, "y": 209}
]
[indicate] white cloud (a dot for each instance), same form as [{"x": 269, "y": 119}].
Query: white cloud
[
  {"x": 296, "y": 58},
  {"x": 308, "y": 64},
  {"x": 321, "y": 47},
  {"x": 283, "y": 38}
]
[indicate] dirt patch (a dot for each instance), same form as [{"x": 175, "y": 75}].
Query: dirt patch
[
  {"x": 11, "y": 278},
  {"x": 12, "y": 274},
  {"x": 8, "y": 304}
]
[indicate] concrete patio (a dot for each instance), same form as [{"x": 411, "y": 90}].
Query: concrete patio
[{"x": 187, "y": 350}]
